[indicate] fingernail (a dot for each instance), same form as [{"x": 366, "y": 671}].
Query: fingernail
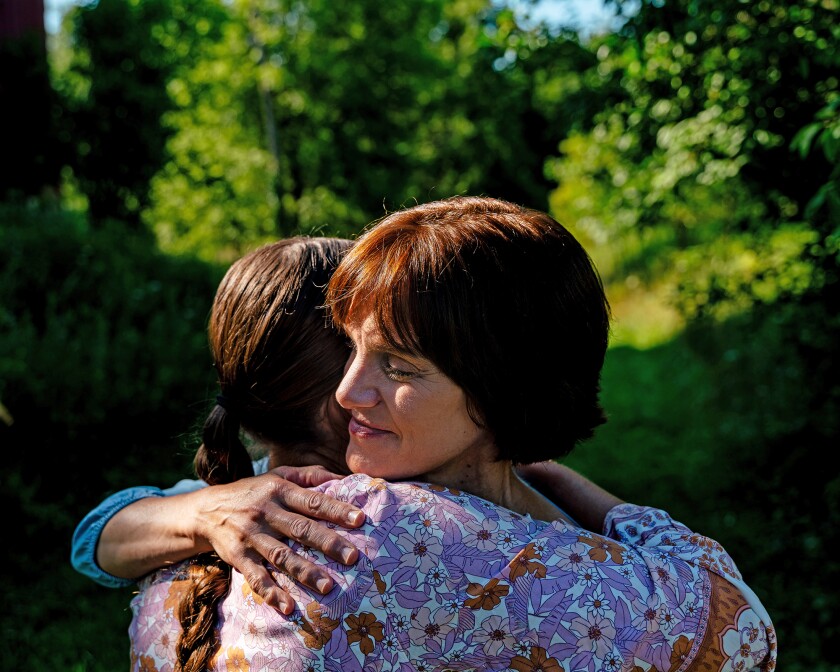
[
  {"x": 348, "y": 555},
  {"x": 356, "y": 517},
  {"x": 323, "y": 585}
]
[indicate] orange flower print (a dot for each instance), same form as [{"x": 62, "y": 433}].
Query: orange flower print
[
  {"x": 682, "y": 647},
  {"x": 236, "y": 661},
  {"x": 434, "y": 487},
  {"x": 525, "y": 563},
  {"x": 177, "y": 589},
  {"x": 317, "y": 632},
  {"x": 376, "y": 485},
  {"x": 380, "y": 584},
  {"x": 364, "y": 628},
  {"x": 537, "y": 662},
  {"x": 147, "y": 664},
  {"x": 486, "y": 597},
  {"x": 603, "y": 548}
]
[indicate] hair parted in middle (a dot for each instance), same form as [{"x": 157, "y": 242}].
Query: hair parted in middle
[{"x": 503, "y": 300}]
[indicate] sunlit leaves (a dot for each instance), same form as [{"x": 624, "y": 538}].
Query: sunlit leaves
[{"x": 688, "y": 177}]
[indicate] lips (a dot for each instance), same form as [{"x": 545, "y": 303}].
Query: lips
[{"x": 364, "y": 429}]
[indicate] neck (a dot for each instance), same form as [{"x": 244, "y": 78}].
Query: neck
[{"x": 497, "y": 482}]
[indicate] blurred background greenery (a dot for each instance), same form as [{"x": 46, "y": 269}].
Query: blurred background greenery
[{"x": 692, "y": 146}]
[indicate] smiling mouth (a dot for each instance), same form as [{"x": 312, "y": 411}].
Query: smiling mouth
[{"x": 363, "y": 430}]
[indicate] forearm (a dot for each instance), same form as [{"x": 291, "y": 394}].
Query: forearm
[
  {"x": 585, "y": 501},
  {"x": 149, "y": 534}
]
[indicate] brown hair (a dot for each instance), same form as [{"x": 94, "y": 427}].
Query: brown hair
[
  {"x": 278, "y": 362},
  {"x": 504, "y": 301}
]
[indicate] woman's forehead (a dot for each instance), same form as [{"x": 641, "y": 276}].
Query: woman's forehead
[{"x": 378, "y": 329}]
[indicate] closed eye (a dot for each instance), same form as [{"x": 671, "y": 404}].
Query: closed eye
[{"x": 395, "y": 373}]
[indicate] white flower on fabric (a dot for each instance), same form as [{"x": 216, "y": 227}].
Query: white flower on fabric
[
  {"x": 613, "y": 662},
  {"x": 390, "y": 643},
  {"x": 429, "y": 521},
  {"x": 422, "y": 497},
  {"x": 437, "y": 576},
  {"x": 631, "y": 557},
  {"x": 420, "y": 550},
  {"x": 426, "y": 626},
  {"x": 452, "y": 606},
  {"x": 455, "y": 657},
  {"x": 507, "y": 540},
  {"x": 494, "y": 635},
  {"x": 667, "y": 619},
  {"x": 597, "y": 603},
  {"x": 401, "y": 622},
  {"x": 482, "y": 535},
  {"x": 692, "y": 609},
  {"x": 589, "y": 576},
  {"x": 522, "y": 648},
  {"x": 626, "y": 571},
  {"x": 594, "y": 633}
]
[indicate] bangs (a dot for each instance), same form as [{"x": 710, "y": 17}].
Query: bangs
[{"x": 385, "y": 274}]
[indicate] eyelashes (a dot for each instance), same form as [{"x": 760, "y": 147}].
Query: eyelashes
[{"x": 395, "y": 374}]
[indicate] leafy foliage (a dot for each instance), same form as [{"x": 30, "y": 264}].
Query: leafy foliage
[
  {"x": 254, "y": 120},
  {"x": 690, "y": 175},
  {"x": 112, "y": 67}
]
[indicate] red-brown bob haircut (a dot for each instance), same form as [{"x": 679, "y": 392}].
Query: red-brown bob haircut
[{"x": 503, "y": 300}]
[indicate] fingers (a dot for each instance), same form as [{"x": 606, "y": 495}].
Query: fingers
[
  {"x": 285, "y": 559},
  {"x": 307, "y": 476},
  {"x": 311, "y": 533},
  {"x": 314, "y": 504},
  {"x": 244, "y": 525},
  {"x": 263, "y": 584}
]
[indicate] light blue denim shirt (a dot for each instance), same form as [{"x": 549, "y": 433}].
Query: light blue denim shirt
[{"x": 87, "y": 533}]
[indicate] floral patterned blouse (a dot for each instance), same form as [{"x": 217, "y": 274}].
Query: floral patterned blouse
[{"x": 449, "y": 581}]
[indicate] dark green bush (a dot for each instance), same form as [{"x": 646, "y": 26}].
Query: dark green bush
[
  {"x": 97, "y": 324},
  {"x": 105, "y": 369},
  {"x": 102, "y": 349}
]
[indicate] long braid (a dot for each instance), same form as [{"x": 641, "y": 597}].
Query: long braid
[
  {"x": 197, "y": 613},
  {"x": 221, "y": 458}
]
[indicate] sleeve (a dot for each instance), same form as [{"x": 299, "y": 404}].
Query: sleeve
[
  {"x": 86, "y": 534},
  {"x": 735, "y": 631},
  {"x": 656, "y": 532}
]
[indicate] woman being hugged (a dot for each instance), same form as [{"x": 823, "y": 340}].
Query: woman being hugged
[{"x": 479, "y": 330}]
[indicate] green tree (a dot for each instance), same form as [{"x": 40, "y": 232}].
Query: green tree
[
  {"x": 114, "y": 59},
  {"x": 315, "y": 117}
]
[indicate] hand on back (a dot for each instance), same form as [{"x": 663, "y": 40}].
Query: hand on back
[{"x": 246, "y": 522}]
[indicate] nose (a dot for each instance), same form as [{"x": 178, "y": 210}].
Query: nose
[{"x": 357, "y": 388}]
